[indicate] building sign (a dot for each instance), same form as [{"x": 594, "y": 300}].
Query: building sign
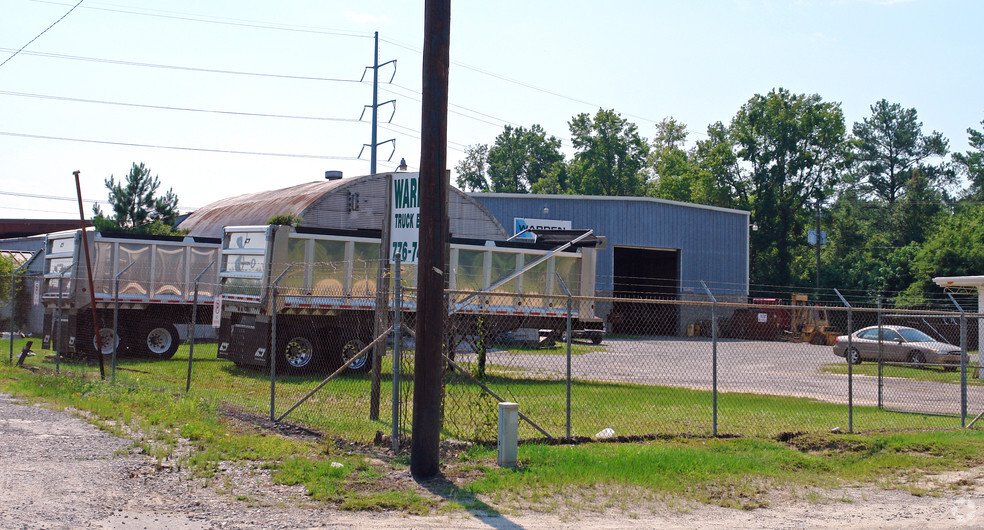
[
  {"x": 520, "y": 224},
  {"x": 405, "y": 221}
]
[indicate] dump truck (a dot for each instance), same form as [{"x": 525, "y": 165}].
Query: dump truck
[
  {"x": 326, "y": 297},
  {"x": 154, "y": 293}
]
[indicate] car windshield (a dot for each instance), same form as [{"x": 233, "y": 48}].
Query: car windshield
[{"x": 914, "y": 335}]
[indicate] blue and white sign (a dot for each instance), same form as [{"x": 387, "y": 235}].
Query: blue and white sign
[
  {"x": 811, "y": 237},
  {"x": 522, "y": 223}
]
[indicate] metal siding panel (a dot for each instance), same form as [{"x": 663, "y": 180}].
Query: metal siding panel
[{"x": 712, "y": 243}]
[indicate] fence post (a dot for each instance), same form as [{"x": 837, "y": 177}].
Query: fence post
[
  {"x": 714, "y": 360},
  {"x": 116, "y": 318},
  {"x": 116, "y": 323},
  {"x": 57, "y": 321},
  {"x": 397, "y": 351},
  {"x": 273, "y": 345},
  {"x": 12, "y": 289},
  {"x": 963, "y": 361},
  {"x": 194, "y": 321},
  {"x": 570, "y": 309},
  {"x": 880, "y": 353},
  {"x": 850, "y": 364}
]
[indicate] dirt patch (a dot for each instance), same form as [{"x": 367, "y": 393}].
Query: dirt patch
[
  {"x": 264, "y": 423},
  {"x": 823, "y": 442}
]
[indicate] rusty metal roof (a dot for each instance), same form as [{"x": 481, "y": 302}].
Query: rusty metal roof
[
  {"x": 328, "y": 204},
  {"x": 258, "y": 208}
]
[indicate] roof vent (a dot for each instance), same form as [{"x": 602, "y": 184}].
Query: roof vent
[{"x": 333, "y": 175}]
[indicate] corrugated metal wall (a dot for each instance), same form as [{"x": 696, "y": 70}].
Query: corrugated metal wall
[
  {"x": 712, "y": 242},
  {"x": 466, "y": 217}
]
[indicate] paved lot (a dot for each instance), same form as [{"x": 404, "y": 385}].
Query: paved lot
[{"x": 778, "y": 368}]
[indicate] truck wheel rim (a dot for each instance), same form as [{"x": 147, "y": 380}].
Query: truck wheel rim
[
  {"x": 158, "y": 340},
  {"x": 106, "y": 337},
  {"x": 350, "y": 349},
  {"x": 299, "y": 352}
]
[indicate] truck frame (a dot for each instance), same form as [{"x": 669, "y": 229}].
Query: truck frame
[
  {"x": 155, "y": 292},
  {"x": 326, "y": 296}
]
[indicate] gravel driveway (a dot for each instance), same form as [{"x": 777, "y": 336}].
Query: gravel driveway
[{"x": 59, "y": 471}]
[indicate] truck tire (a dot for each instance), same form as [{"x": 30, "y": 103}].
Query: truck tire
[
  {"x": 159, "y": 341},
  {"x": 298, "y": 352},
  {"x": 88, "y": 341},
  {"x": 347, "y": 346}
]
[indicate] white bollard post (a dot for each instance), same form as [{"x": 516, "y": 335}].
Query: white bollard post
[{"x": 508, "y": 433}]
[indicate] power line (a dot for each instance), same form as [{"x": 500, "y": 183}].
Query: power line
[
  {"x": 39, "y": 34},
  {"x": 186, "y": 109},
  {"x": 38, "y": 210},
  {"x": 179, "y": 148},
  {"x": 345, "y": 33},
  {"x": 226, "y": 21},
  {"x": 451, "y": 111},
  {"x": 187, "y": 68},
  {"x": 51, "y": 197},
  {"x": 515, "y": 81}
]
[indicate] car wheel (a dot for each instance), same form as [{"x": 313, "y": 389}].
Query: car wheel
[
  {"x": 161, "y": 341},
  {"x": 298, "y": 353},
  {"x": 854, "y": 356},
  {"x": 916, "y": 359},
  {"x": 349, "y": 346}
]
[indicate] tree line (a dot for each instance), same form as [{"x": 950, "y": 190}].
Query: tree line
[{"x": 888, "y": 194}]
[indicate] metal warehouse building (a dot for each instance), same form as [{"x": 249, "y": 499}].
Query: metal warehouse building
[{"x": 656, "y": 249}]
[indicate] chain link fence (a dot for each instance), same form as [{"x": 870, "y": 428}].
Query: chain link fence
[{"x": 330, "y": 362}]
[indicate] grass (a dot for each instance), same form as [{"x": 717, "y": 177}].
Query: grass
[
  {"x": 928, "y": 373},
  {"x": 737, "y": 473},
  {"x": 630, "y": 409},
  {"x": 784, "y": 443}
]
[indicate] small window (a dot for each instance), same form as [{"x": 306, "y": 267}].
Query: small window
[
  {"x": 891, "y": 335},
  {"x": 869, "y": 334}
]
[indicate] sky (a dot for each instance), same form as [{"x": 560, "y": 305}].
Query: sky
[{"x": 225, "y": 97}]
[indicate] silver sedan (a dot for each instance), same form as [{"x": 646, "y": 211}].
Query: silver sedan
[{"x": 898, "y": 344}]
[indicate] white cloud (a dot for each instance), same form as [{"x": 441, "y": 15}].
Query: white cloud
[{"x": 366, "y": 18}]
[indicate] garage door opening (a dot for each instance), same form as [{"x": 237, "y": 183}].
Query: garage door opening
[{"x": 650, "y": 274}]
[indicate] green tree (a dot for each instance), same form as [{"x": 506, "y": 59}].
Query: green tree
[
  {"x": 888, "y": 145},
  {"x": 956, "y": 248},
  {"x": 793, "y": 146},
  {"x": 718, "y": 180},
  {"x": 972, "y": 164},
  {"x": 473, "y": 169},
  {"x": 136, "y": 207},
  {"x": 610, "y": 155},
  {"x": 290, "y": 219},
  {"x": 520, "y": 157},
  {"x": 673, "y": 174},
  {"x": 7, "y": 267}
]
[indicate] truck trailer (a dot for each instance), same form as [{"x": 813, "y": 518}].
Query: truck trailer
[
  {"x": 155, "y": 291},
  {"x": 326, "y": 296}
]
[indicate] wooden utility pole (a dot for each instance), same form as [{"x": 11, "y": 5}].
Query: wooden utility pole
[
  {"x": 428, "y": 368},
  {"x": 97, "y": 338}
]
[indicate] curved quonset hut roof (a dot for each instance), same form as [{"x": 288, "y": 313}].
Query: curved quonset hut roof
[{"x": 352, "y": 203}]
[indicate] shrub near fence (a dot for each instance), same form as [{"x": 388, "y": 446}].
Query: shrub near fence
[{"x": 695, "y": 381}]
